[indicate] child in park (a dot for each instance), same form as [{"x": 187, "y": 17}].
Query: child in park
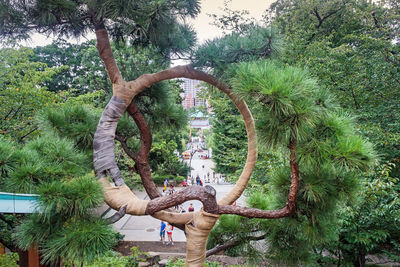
[{"x": 170, "y": 228}]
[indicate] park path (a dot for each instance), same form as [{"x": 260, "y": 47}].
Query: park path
[{"x": 146, "y": 228}]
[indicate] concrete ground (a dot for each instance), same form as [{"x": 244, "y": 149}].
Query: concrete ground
[{"x": 146, "y": 228}]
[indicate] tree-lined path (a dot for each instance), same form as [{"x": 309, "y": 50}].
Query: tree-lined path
[{"x": 146, "y": 228}]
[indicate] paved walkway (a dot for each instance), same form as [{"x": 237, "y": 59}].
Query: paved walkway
[{"x": 146, "y": 228}]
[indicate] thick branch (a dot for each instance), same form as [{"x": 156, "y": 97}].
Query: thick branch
[
  {"x": 107, "y": 56},
  {"x": 231, "y": 244},
  {"x": 255, "y": 213},
  {"x": 141, "y": 158},
  {"x": 205, "y": 194},
  {"x": 145, "y": 132},
  {"x": 103, "y": 141},
  {"x": 117, "y": 216}
]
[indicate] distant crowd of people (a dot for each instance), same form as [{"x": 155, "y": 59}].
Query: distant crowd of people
[{"x": 198, "y": 181}]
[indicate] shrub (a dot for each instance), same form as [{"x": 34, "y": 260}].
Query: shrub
[{"x": 9, "y": 260}]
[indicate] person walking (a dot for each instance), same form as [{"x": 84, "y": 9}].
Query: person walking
[
  {"x": 198, "y": 179},
  {"x": 165, "y": 184},
  {"x": 191, "y": 208},
  {"x": 162, "y": 231},
  {"x": 170, "y": 228}
]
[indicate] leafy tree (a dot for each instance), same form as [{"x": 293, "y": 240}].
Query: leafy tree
[
  {"x": 228, "y": 137},
  {"x": 162, "y": 158},
  {"x": 23, "y": 92},
  {"x": 370, "y": 226},
  {"x": 355, "y": 59}
]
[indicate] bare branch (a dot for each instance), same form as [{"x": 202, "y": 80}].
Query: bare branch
[
  {"x": 117, "y": 216},
  {"x": 205, "y": 194},
  {"x": 28, "y": 133}
]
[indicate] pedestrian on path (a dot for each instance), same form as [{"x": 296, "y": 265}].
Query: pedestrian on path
[
  {"x": 170, "y": 228},
  {"x": 162, "y": 232},
  {"x": 171, "y": 189},
  {"x": 165, "y": 183},
  {"x": 191, "y": 208}
]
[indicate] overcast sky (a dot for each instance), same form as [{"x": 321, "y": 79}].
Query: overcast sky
[{"x": 201, "y": 23}]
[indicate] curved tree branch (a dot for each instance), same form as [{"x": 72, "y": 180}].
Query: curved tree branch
[
  {"x": 290, "y": 206},
  {"x": 141, "y": 158},
  {"x": 187, "y": 71},
  {"x": 104, "y": 48},
  {"x": 204, "y": 194}
]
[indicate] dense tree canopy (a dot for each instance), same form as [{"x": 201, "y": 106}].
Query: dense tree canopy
[{"x": 356, "y": 60}]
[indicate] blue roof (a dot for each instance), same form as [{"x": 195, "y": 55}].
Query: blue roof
[{"x": 18, "y": 203}]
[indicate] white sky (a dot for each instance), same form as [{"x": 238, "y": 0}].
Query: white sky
[{"x": 201, "y": 23}]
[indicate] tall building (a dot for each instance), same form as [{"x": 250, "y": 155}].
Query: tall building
[{"x": 191, "y": 89}]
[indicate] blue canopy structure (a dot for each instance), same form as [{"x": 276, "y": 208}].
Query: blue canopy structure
[{"x": 18, "y": 203}]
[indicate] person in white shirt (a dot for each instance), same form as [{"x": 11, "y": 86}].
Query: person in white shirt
[{"x": 170, "y": 228}]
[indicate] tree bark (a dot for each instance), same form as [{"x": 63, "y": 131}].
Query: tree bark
[
  {"x": 141, "y": 158},
  {"x": 231, "y": 244}
]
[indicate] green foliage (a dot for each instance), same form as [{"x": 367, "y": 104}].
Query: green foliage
[
  {"x": 71, "y": 197},
  {"x": 22, "y": 86},
  {"x": 110, "y": 259},
  {"x": 288, "y": 104},
  {"x": 181, "y": 263},
  {"x": 9, "y": 260},
  {"x": 76, "y": 122},
  {"x": 143, "y": 22},
  {"x": 357, "y": 61},
  {"x": 79, "y": 241},
  {"x": 163, "y": 160},
  {"x": 285, "y": 95},
  {"x": 354, "y": 59},
  {"x": 9, "y": 157},
  {"x": 257, "y": 42},
  {"x": 228, "y": 136},
  {"x": 43, "y": 159},
  {"x": 373, "y": 221},
  {"x": 64, "y": 225}
]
